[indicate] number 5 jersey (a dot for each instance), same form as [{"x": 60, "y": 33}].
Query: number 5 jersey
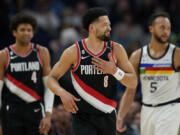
[{"x": 159, "y": 79}]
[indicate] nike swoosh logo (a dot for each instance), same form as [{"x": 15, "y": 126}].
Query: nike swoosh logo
[
  {"x": 13, "y": 57},
  {"x": 37, "y": 110},
  {"x": 84, "y": 57}
]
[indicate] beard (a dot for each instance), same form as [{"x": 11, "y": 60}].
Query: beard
[
  {"x": 104, "y": 37},
  {"x": 159, "y": 39}
]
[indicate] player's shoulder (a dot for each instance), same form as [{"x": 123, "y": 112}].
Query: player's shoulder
[
  {"x": 4, "y": 55},
  {"x": 136, "y": 53},
  {"x": 117, "y": 45},
  {"x": 71, "y": 50},
  {"x": 177, "y": 52},
  {"x": 42, "y": 49}
]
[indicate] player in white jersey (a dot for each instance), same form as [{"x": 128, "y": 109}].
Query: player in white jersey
[{"x": 158, "y": 66}]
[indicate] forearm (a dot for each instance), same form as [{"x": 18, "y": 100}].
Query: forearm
[
  {"x": 126, "y": 102},
  {"x": 129, "y": 80},
  {"x": 53, "y": 85},
  {"x": 48, "y": 97}
]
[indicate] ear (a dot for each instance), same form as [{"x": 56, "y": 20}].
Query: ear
[
  {"x": 91, "y": 28},
  {"x": 150, "y": 29},
  {"x": 14, "y": 32}
]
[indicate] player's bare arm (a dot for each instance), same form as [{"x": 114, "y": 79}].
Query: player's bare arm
[
  {"x": 45, "y": 56},
  {"x": 3, "y": 61},
  {"x": 128, "y": 95},
  {"x": 129, "y": 78},
  {"x": 45, "y": 123},
  {"x": 67, "y": 60},
  {"x": 176, "y": 59}
]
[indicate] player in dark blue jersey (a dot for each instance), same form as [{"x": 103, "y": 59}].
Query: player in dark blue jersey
[
  {"x": 24, "y": 67},
  {"x": 96, "y": 64}
]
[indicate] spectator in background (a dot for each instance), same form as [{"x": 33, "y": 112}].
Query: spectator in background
[{"x": 61, "y": 124}]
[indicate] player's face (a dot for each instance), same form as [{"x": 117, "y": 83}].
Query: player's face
[
  {"x": 103, "y": 28},
  {"x": 161, "y": 29},
  {"x": 24, "y": 33}
]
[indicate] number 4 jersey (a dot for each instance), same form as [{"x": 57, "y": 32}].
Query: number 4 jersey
[
  {"x": 159, "y": 79},
  {"x": 23, "y": 76}
]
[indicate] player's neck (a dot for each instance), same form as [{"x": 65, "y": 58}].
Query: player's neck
[
  {"x": 22, "y": 48},
  {"x": 94, "y": 43},
  {"x": 157, "y": 46}
]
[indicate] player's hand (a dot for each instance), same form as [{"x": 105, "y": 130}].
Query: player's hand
[
  {"x": 68, "y": 101},
  {"x": 45, "y": 124},
  {"x": 119, "y": 125},
  {"x": 104, "y": 66}
]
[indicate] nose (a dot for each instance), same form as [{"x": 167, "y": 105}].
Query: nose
[
  {"x": 167, "y": 31},
  {"x": 109, "y": 28}
]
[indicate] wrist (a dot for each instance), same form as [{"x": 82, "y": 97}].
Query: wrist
[
  {"x": 119, "y": 74},
  {"x": 48, "y": 114}
]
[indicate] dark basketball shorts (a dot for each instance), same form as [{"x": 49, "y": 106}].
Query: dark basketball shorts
[
  {"x": 21, "y": 119},
  {"x": 94, "y": 124}
]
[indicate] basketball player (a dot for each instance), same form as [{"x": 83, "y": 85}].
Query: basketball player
[
  {"x": 96, "y": 64},
  {"x": 158, "y": 65},
  {"x": 24, "y": 67}
]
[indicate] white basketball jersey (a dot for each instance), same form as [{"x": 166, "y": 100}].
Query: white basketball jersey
[{"x": 159, "y": 80}]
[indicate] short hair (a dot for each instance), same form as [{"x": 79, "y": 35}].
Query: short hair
[
  {"x": 153, "y": 17},
  {"x": 22, "y": 18},
  {"x": 91, "y": 15}
]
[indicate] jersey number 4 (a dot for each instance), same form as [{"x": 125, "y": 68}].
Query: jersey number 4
[
  {"x": 34, "y": 77},
  {"x": 153, "y": 86}
]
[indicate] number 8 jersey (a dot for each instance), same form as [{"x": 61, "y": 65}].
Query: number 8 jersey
[
  {"x": 23, "y": 76},
  {"x": 158, "y": 77},
  {"x": 96, "y": 89}
]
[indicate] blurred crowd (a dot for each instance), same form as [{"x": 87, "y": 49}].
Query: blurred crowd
[{"x": 59, "y": 25}]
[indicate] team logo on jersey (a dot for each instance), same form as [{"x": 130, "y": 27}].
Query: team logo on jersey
[
  {"x": 13, "y": 57},
  {"x": 84, "y": 57},
  {"x": 89, "y": 70},
  {"x": 83, "y": 52},
  {"x": 25, "y": 66}
]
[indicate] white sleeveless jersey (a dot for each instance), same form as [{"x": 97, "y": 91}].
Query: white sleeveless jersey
[{"x": 159, "y": 80}]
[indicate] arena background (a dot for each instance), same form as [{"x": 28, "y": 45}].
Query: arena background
[{"x": 59, "y": 25}]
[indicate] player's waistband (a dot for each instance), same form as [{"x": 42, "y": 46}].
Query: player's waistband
[{"x": 177, "y": 100}]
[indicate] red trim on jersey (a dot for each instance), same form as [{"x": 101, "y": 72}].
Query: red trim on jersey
[
  {"x": 94, "y": 93},
  {"x": 78, "y": 60},
  {"x": 158, "y": 68},
  {"x": 112, "y": 52},
  {"x": 84, "y": 44},
  {"x": 39, "y": 56},
  {"x": 23, "y": 87},
  {"x": 22, "y": 55},
  {"x": 7, "y": 53}
]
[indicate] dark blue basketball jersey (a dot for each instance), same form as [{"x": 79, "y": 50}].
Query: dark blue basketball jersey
[
  {"x": 96, "y": 89},
  {"x": 23, "y": 76}
]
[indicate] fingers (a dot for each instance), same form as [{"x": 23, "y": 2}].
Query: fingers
[
  {"x": 110, "y": 57},
  {"x": 121, "y": 129},
  {"x": 71, "y": 106},
  {"x": 43, "y": 127},
  {"x": 98, "y": 62}
]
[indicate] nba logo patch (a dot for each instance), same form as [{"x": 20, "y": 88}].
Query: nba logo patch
[{"x": 83, "y": 52}]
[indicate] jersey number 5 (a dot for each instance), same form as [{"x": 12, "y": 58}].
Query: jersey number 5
[{"x": 153, "y": 87}]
